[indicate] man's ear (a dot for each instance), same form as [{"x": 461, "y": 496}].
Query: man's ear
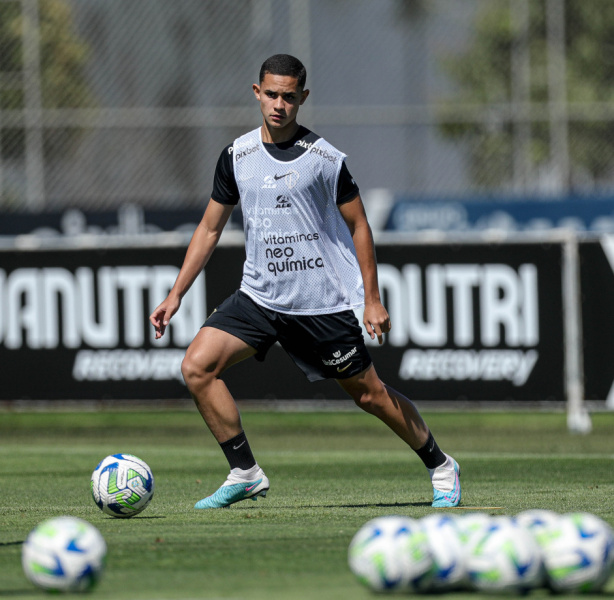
[
  {"x": 256, "y": 89},
  {"x": 304, "y": 95}
]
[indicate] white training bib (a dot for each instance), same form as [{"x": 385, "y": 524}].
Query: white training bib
[{"x": 300, "y": 258}]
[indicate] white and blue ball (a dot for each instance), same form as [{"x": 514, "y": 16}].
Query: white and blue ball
[
  {"x": 471, "y": 525},
  {"x": 578, "y": 553},
  {"x": 122, "y": 485},
  {"x": 537, "y": 519},
  {"x": 64, "y": 554},
  {"x": 504, "y": 558},
  {"x": 391, "y": 554},
  {"x": 446, "y": 545}
]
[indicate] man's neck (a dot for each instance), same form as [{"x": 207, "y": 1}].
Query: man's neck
[{"x": 277, "y": 136}]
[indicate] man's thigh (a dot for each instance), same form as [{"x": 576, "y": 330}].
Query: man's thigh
[{"x": 216, "y": 350}]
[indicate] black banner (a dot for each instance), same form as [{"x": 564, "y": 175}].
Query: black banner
[
  {"x": 597, "y": 285},
  {"x": 470, "y": 321},
  {"x": 474, "y": 322},
  {"x": 75, "y": 324}
]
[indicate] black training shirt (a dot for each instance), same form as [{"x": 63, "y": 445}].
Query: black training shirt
[{"x": 225, "y": 190}]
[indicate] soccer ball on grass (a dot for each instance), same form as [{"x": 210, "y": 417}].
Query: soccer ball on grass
[
  {"x": 446, "y": 545},
  {"x": 504, "y": 558},
  {"x": 578, "y": 552},
  {"x": 64, "y": 554},
  {"x": 537, "y": 519},
  {"x": 122, "y": 485},
  {"x": 391, "y": 554}
]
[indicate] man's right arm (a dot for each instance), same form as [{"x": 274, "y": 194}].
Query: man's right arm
[{"x": 199, "y": 251}]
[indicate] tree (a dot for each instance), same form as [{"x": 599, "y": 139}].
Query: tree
[
  {"x": 63, "y": 59},
  {"x": 484, "y": 76}
]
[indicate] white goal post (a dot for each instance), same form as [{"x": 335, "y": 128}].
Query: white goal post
[{"x": 578, "y": 419}]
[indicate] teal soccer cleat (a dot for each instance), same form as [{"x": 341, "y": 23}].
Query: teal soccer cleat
[
  {"x": 446, "y": 484},
  {"x": 235, "y": 489}
]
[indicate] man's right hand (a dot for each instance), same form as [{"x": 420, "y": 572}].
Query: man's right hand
[{"x": 160, "y": 317}]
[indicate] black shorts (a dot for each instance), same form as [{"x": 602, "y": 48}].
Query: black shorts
[{"x": 329, "y": 346}]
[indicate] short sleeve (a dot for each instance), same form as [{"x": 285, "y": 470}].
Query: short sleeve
[
  {"x": 347, "y": 188},
  {"x": 225, "y": 190}
]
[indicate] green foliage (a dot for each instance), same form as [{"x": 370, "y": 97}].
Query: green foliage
[
  {"x": 330, "y": 473},
  {"x": 483, "y": 75},
  {"x": 63, "y": 58}
]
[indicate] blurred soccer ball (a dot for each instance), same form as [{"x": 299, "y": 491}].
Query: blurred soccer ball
[
  {"x": 445, "y": 543},
  {"x": 537, "y": 519},
  {"x": 391, "y": 554},
  {"x": 122, "y": 485},
  {"x": 64, "y": 554},
  {"x": 504, "y": 558},
  {"x": 472, "y": 525},
  {"x": 578, "y": 553}
]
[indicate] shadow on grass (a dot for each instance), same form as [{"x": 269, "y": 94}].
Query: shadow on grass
[
  {"x": 365, "y": 505},
  {"x": 11, "y": 543},
  {"x": 21, "y": 592},
  {"x": 135, "y": 518}
]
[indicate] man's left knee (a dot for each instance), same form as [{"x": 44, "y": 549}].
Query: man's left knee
[{"x": 370, "y": 398}]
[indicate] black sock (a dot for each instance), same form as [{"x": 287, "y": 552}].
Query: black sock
[
  {"x": 238, "y": 453},
  {"x": 431, "y": 455}
]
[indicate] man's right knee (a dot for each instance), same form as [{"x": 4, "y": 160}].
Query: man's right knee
[
  {"x": 211, "y": 352},
  {"x": 196, "y": 372}
]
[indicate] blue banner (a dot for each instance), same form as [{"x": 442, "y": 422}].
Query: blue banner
[{"x": 576, "y": 212}]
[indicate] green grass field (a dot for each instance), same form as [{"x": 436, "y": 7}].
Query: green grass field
[{"x": 329, "y": 472}]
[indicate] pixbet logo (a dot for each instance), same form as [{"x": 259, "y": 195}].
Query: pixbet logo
[
  {"x": 243, "y": 153},
  {"x": 323, "y": 154},
  {"x": 304, "y": 144}
]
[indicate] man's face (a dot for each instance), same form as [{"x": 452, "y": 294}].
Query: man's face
[{"x": 280, "y": 98}]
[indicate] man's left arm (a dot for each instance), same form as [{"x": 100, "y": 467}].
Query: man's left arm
[{"x": 376, "y": 318}]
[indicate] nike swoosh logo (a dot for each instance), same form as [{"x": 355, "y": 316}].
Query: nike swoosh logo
[
  {"x": 278, "y": 177},
  {"x": 237, "y": 447},
  {"x": 340, "y": 370},
  {"x": 251, "y": 487}
]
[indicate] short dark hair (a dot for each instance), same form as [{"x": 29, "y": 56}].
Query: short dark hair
[{"x": 286, "y": 65}]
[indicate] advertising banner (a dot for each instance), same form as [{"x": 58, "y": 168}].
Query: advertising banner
[
  {"x": 73, "y": 324},
  {"x": 597, "y": 285},
  {"x": 579, "y": 213},
  {"x": 470, "y": 321},
  {"x": 474, "y": 322}
]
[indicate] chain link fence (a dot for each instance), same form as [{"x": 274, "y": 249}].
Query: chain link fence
[{"x": 109, "y": 102}]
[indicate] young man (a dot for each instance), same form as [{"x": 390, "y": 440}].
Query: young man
[{"x": 302, "y": 278}]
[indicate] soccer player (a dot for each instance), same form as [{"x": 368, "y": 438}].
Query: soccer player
[{"x": 310, "y": 260}]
